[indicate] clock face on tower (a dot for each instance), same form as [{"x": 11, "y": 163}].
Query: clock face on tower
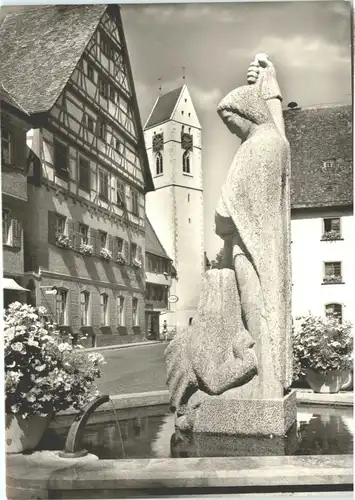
[
  {"x": 186, "y": 141},
  {"x": 158, "y": 142}
]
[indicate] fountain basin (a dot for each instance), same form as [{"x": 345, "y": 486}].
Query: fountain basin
[{"x": 43, "y": 474}]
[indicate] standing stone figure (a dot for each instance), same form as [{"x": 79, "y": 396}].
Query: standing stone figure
[{"x": 239, "y": 346}]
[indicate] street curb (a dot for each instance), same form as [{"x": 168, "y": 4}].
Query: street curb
[{"x": 121, "y": 346}]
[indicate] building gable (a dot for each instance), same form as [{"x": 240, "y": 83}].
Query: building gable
[{"x": 184, "y": 111}]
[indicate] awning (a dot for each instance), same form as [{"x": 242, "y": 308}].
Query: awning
[{"x": 10, "y": 284}]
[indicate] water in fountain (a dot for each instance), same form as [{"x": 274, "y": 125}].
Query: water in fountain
[{"x": 118, "y": 427}]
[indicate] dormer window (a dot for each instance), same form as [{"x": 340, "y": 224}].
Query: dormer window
[
  {"x": 159, "y": 163},
  {"x": 329, "y": 164}
]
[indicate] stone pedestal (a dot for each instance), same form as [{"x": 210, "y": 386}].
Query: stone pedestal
[{"x": 251, "y": 417}]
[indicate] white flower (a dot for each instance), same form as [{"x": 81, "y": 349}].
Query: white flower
[
  {"x": 33, "y": 342},
  {"x": 40, "y": 368},
  {"x": 64, "y": 346},
  {"x": 31, "y": 398},
  {"x": 15, "y": 408},
  {"x": 18, "y": 346}
]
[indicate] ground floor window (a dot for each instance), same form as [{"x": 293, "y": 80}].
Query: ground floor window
[
  {"x": 334, "y": 310},
  {"x": 104, "y": 309},
  {"x": 61, "y": 306},
  {"x": 84, "y": 308},
  {"x": 135, "y": 317},
  {"x": 120, "y": 311}
]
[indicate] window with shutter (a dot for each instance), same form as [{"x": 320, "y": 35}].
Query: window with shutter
[
  {"x": 95, "y": 241},
  {"x": 104, "y": 320},
  {"x": 6, "y": 147},
  {"x": 120, "y": 194},
  {"x": 126, "y": 250},
  {"x": 77, "y": 235},
  {"x": 103, "y": 184},
  {"x": 133, "y": 251},
  {"x": 84, "y": 174},
  {"x": 16, "y": 233},
  {"x": 61, "y": 306},
  {"x": 102, "y": 130},
  {"x": 70, "y": 230},
  {"x": 6, "y": 227},
  {"x": 120, "y": 311},
  {"x": 103, "y": 239},
  {"x": 84, "y": 308},
  {"x": 135, "y": 316},
  {"x": 134, "y": 203},
  {"x": 110, "y": 243},
  {"x": 52, "y": 217},
  {"x": 84, "y": 234},
  {"x": 119, "y": 244},
  {"x": 61, "y": 159}
]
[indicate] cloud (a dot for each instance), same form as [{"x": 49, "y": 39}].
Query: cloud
[
  {"x": 298, "y": 52},
  {"x": 205, "y": 99},
  {"x": 190, "y": 13}
]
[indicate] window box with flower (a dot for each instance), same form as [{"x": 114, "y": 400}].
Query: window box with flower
[
  {"x": 332, "y": 279},
  {"x": 43, "y": 375},
  {"x": 331, "y": 235},
  {"x": 63, "y": 241},
  {"x": 105, "y": 254},
  {"x": 137, "y": 264},
  {"x": 86, "y": 250},
  {"x": 120, "y": 259}
]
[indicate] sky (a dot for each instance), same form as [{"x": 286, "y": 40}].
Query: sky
[{"x": 308, "y": 42}]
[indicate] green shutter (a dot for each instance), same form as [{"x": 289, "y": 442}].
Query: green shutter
[
  {"x": 16, "y": 233},
  {"x": 51, "y": 227}
]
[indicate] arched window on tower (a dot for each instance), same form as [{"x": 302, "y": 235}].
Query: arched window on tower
[
  {"x": 159, "y": 163},
  {"x": 186, "y": 162},
  {"x": 334, "y": 310}
]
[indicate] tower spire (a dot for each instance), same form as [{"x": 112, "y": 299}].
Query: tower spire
[
  {"x": 183, "y": 74},
  {"x": 160, "y": 86}
]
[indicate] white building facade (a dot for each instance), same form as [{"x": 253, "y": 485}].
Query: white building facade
[{"x": 322, "y": 225}]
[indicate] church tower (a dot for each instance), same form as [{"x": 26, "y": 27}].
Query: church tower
[{"x": 175, "y": 208}]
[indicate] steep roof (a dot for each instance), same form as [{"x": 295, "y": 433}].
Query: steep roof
[
  {"x": 318, "y": 134},
  {"x": 40, "y": 48},
  {"x": 6, "y": 98},
  {"x": 163, "y": 108},
  {"x": 152, "y": 242}
]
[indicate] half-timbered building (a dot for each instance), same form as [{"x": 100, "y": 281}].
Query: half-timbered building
[{"x": 69, "y": 68}]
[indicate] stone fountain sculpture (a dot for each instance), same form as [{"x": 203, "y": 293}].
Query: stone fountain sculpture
[{"x": 230, "y": 372}]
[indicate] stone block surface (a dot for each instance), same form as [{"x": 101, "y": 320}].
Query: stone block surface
[{"x": 247, "y": 417}]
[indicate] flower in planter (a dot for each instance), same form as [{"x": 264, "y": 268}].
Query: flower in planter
[
  {"x": 63, "y": 241},
  {"x": 105, "y": 254},
  {"x": 120, "y": 258},
  {"x": 137, "y": 263},
  {"x": 321, "y": 344},
  {"x": 331, "y": 235},
  {"x": 86, "y": 249},
  {"x": 332, "y": 278},
  {"x": 43, "y": 374}
]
